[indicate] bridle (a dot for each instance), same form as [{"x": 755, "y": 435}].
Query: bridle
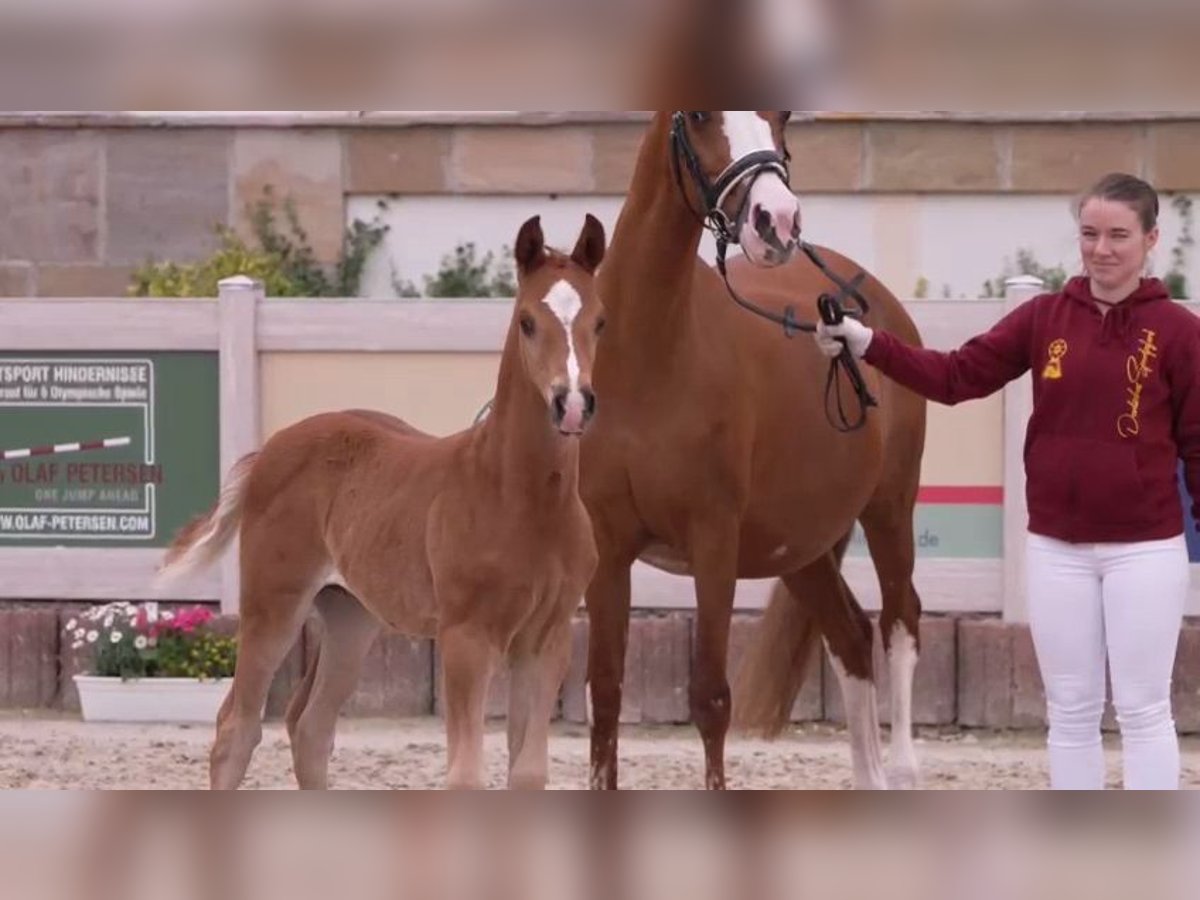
[
  {"x": 714, "y": 194},
  {"x": 727, "y": 230}
]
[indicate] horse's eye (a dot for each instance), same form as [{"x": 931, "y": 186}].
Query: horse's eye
[
  {"x": 699, "y": 116},
  {"x": 527, "y": 326},
  {"x": 600, "y": 323}
]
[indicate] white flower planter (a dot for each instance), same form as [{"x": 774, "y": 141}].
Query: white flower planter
[{"x": 185, "y": 700}]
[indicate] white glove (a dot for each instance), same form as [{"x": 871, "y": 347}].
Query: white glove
[{"x": 856, "y": 335}]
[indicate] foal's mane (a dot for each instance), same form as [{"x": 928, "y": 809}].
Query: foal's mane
[{"x": 559, "y": 259}]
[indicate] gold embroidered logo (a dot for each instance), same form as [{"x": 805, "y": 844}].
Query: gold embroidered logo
[
  {"x": 1053, "y": 370},
  {"x": 1137, "y": 370}
]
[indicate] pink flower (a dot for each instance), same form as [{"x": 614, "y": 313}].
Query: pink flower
[{"x": 186, "y": 621}]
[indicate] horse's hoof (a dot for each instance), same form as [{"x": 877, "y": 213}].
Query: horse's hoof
[{"x": 903, "y": 779}]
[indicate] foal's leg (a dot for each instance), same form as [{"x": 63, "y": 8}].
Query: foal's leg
[
  {"x": 538, "y": 670},
  {"x": 348, "y": 633},
  {"x": 273, "y": 609},
  {"x": 889, "y": 530},
  {"x": 469, "y": 657},
  {"x": 848, "y": 638},
  {"x": 300, "y": 695},
  {"x": 714, "y": 554},
  {"x": 608, "y": 598}
]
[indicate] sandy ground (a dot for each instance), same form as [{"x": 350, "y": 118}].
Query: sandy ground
[{"x": 38, "y": 751}]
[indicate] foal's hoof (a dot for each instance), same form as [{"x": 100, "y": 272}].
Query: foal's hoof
[{"x": 903, "y": 779}]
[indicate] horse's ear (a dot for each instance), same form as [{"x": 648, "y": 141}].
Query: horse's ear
[
  {"x": 531, "y": 246},
  {"x": 589, "y": 251}
]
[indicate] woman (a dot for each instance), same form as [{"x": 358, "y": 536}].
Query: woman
[{"x": 1116, "y": 386}]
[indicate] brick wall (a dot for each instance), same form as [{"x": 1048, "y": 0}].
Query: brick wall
[
  {"x": 84, "y": 201},
  {"x": 975, "y": 672}
]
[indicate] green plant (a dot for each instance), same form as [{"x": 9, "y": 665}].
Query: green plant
[
  {"x": 131, "y": 641},
  {"x": 1054, "y": 277},
  {"x": 464, "y": 274},
  {"x": 281, "y": 256},
  {"x": 1176, "y": 278},
  {"x": 403, "y": 287}
]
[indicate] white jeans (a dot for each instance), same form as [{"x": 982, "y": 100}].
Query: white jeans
[{"x": 1123, "y": 602}]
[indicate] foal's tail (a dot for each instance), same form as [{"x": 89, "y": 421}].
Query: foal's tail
[
  {"x": 200, "y": 543},
  {"x": 773, "y": 668}
]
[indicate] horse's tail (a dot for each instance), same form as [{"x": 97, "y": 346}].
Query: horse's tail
[
  {"x": 200, "y": 543},
  {"x": 773, "y": 668}
]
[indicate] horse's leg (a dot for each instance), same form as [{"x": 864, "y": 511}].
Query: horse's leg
[
  {"x": 889, "y": 529},
  {"x": 273, "y": 610},
  {"x": 300, "y": 695},
  {"x": 538, "y": 670},
  {"x": 714, "y": 552},
  {"x": 608, "y": 598},
  {"x": 848, "y": 638},
  {"x": 348, "y": 633},
  {"x": 469, "y": 657}
]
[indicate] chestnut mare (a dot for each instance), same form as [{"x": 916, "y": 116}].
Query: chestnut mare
[
  {"x": 479, "y": 539},
  {"x": 712, "y": 455}
]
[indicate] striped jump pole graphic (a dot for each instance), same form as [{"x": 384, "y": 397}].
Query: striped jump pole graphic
[{"x": 55, "y": 449}]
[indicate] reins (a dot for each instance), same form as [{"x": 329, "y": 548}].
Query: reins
[{"x": 831, "y": 306}]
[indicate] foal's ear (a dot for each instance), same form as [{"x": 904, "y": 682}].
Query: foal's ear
[
  {"x": 589, "y": 251},
  {"x": 531, "y": 246}
]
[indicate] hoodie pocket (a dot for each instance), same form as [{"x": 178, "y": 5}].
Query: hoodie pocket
[
  {"x": 1117, "y": 493},
  {"x": 1048, "y": 473},
  {"x": 1088, "y": 482}
]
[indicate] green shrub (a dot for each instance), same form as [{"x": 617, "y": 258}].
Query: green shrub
[
  {"x": 280, "y": 256},
  {"x": 1176, "y": 279},
  {"x": 464, "y": 274},
  {"x": 1054, "y": 277}
]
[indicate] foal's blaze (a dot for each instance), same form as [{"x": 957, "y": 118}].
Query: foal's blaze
[
  {"x": 479, "y": 539},
  {"x": 560, "y": 321},
  {"x": 763, "y": 209}
]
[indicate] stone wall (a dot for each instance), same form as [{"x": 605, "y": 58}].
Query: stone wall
[
  {"x": 83, "y": 199},
  {"x": 975, "y": 672}
]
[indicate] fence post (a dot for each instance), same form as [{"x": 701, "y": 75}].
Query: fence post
[
  {"x": 239, "y": 404},
  {"x": 1018, "y": 404}
]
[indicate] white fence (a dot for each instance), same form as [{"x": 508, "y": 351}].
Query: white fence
[{"x": 242, "y": 324}]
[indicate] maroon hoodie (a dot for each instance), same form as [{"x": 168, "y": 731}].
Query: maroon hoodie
[{"x": 1116, "y": 404}]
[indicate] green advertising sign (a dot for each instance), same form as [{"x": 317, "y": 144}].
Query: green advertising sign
[
  {"x": 950, "y": 531},
  {"x": 106, "y": 450}
]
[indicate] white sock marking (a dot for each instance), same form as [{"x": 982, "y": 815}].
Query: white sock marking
[
  {"x": 903, "y": 660},
  {"x": 862, "y": 721}
]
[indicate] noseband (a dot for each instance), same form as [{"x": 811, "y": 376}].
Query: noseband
[
  {"x": 714, "y": 194},
  {"x": 727, "y": 230}
]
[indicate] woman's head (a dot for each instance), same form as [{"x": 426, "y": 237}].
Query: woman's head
[{"x": 1118, "y": 227}]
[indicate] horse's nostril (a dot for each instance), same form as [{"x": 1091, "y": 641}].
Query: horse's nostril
[
  {"x": 589, "y": 403},
  {"x": 762, "y": 223},
  {"x": 560, "y": 404}
]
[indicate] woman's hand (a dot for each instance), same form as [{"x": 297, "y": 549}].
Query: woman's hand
[{"x": 849, "y": 333}]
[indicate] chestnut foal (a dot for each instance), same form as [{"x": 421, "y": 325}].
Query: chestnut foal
[{"x": 479, "y": 539}]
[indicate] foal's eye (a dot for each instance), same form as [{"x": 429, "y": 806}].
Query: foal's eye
[
  {"x": 699, "y": 116},
  {"x": 600, "y": 323},
  {"x": 527, "y": 326}
]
